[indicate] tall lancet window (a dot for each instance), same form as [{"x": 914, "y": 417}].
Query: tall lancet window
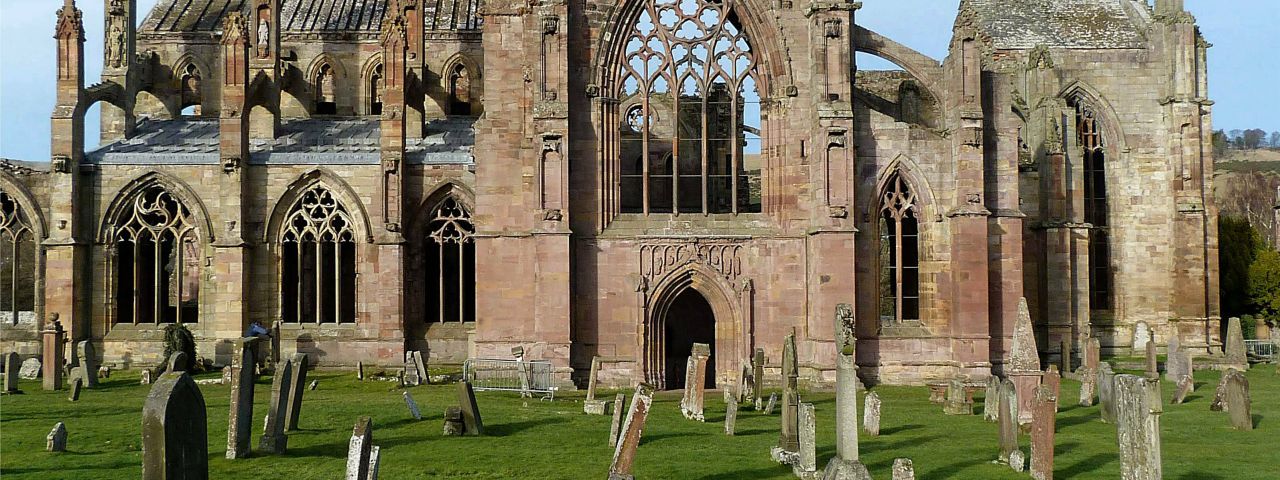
[
  {"x": 318, "y": 260},
  {"x": 1094, "y": 156},
  {"x": 17, "y": 263},
  {"x": 690, "y": 129},
  {"x": 450, "y": 264},
  {"x": 375, "y": 90},
  {"x": 326, "y": 91},
  {"x": 157, "y": 259},
  {"x": 899, "y": 229}
]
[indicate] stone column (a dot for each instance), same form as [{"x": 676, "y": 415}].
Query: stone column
[
  {"x": 230, "y": 250},
  {"x": 240, "y": 419},
  {"x": 624, "y": 455},
  {"x": 1138, "y": 427},
  {"x": 54, "y": 339}
]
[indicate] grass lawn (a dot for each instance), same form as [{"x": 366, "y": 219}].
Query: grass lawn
[{"x": 554, "y": 440}]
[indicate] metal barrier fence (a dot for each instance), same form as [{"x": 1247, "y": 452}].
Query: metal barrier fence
[
  {"x": 1265, "y": 349},
  {"x": 527, "y": 377}
]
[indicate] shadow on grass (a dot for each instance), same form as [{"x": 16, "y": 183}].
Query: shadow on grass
[
  {"x": 505, "y": 429},
  {"x": 901, "y": 428},
  {"x": 1073, "y": 421},
  {"x": 954, "y": 470},
  {"x": 650, "y": 439},
  {"x": 747, "y": 473},
  {"x": 1201, "y": 476},
  {"x": 1085, "y": 466},
  {"x": 1257, "y": 420}
]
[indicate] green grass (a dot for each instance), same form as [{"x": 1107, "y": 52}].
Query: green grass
[{"x": 554, "y": 440}]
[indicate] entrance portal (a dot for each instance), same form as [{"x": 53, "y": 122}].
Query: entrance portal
[{"x": 689, "y": 320}]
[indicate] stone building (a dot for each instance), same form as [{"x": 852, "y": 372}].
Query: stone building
[{"x": 621, "y": 179}]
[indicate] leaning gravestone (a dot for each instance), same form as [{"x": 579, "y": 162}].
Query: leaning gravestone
[
  {"x": 695, "y": 383},
  {"x": 1138, "y": 409},
  {"x": 624, "y": 455},
  {"x": 616, "y": 426},
  {"x": 359, "y": 450},
  {"x": 11, "y": 368},
  {"x": 274, "y": 440},
  {"x": 1219, "y": 403},
  {"x": 1008, "y": 420},
  {"x": 903, "y": 469},
  {"x": 1185, "y": 386},
  {"x": 470, "y": 410},
  {"x": 413, "y": 406},
  {"x": 56, "y": 441},
  {"x": 30, "y": 369},
  {"x": 1106, "y": 394},
  {"x": 1042, "y": 433},
  {"x": 76, "y": 385},
  {"x": 591, "y": 406},
  {"x": 871, "y": 414},
  {"x": 240, "y": 418},
  {"x": 174, "y": 436},
  {"x": 296, "y": 390},
  {"x": 1153, "y": 367},
  {"x": 1237, "y": 400},
  {"x": 771, "y": 404}
]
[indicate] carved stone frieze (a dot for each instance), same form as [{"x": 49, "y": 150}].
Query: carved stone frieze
[{"x": 659, "y": 260}]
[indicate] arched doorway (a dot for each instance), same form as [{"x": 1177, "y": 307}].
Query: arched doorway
[{"x": 688, "y": 320}]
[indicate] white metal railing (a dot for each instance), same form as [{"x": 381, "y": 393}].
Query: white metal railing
[
  {"x": 1264, "y": 349},
  {"x": 526, "y": 377}
]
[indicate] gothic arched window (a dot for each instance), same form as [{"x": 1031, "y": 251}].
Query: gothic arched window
[
  {"x": 689, "y": 86},
  {"x": 899, "y": 229},
  {"x": 191, "y": 95},
  {"x": 326, "y": 91},
  {"x": 1094, "y": 156},
  {"x": 450, "y": 264},
  {"x": 459, "y": 90},
  {"x": 375, "y": 90},
  {"x": 157, "y": 259},
  {"x": 318, "y": 260},
  {"x": 17, "y": 263}
]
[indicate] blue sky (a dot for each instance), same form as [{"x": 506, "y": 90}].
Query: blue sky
[{"x": 1244, "y": 65}]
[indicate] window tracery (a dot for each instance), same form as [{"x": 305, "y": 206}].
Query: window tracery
[
  {"x": 450, "y": 261},
  {"x": 318, "y": 260},
  {"x": 1093, "y": 153},
  {"x": 17, "y": 262},
  {"x": 899, "y": 253},
  {"x": 156, "y": 249}
]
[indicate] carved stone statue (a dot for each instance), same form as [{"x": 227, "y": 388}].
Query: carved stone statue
[
  {"x": 264, "y": 37},
  {"x": 115, "y": 44}
]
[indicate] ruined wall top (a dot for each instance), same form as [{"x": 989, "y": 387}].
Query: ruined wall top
[
  {"x": 307, "y": 16},
  {"x": 1024, "y": 24}
]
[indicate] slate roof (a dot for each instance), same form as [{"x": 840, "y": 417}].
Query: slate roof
[
  {"x": 1024, "y": 24},
  {"x": 309, "y": 141},
  {"x": 308, "y": 16}
]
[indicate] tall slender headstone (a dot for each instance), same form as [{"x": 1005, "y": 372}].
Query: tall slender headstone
[
  {"x": 592, "y": 406},
  {"x": 847, "y": 464},
  {"x": 1042, "y": 433},
  {"x": 175, "y": 440},
  {"x": 275, "y": 343},
  {"x": 1064, "y": 355},
  {"x": 424, "y": 377},
  {"x": 1138, "y": 409},
  {"x": 12, "y": 364},
  {"x": 56, "y": 441},
  {"x": 360, "y": 371},
  {"x": 375, "y": 462},
  {"x": 240, "y": 418},
  {"x": 771, "y": 404},
  {"x": 1174, "y": 366},
  {"x": 359, "y": 450},
  {"x": 77, "y": 384},
  {"x": 54, "y": 337},
  {"x": 1153, "y": 364},
  {"x": 789, "y": 438},
  {"x": 991, "y": 400},
  {"x": 757, "y": 378},
  {"x": 805, "y": 465},
  {"x": 616, "y": 427},
  {"x": 88, "y": 362},
  {"x": 746, "y": 386},
  {"x": 296, "y": 388},
  {"x": 1053, "y": 380},
  {"x": 695, "y": 388},
  {"x": 871, "y": 414},
  {"x": 413, "y": 406},
  {"x": 1024, "y": 362},
  {"x": 274, "y": 440},
  {"x": 624, "y": 455},
  {"x": 1237, "y": 355},
  {"x": 1106, "y": 393},
  {"x": 731, "y": 416},
  {"x": 1008, "y": 420},
  {"x": 471, "y": 420},
  {"x": 1237, "y": 399}
]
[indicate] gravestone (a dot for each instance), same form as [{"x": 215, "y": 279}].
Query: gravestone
[
  {"x": 1175, "y": 365},
  {"x": 360, "y": 371},
  {"x": 1088, "y": 386},
  {"x": 359, "y": 450},
  {"x": 1094, "y": 358},
  {"x": 903, "y": 469},
  {"x": 424, "y": 377},
  {"x": 411, "y": 375},
  {"x": 958, "y": 402},
  {"x": 240, "y": 418},
  {"x": 591, "y": 406},
  {"x": 1237, "y": 356},
  {"x": 624, "y": 454},
  {"x": 1185, "y": 386},
  {"x": 77, "y": 383},
  {"x": 453, "y": 424},
  {"x": 1219, "y": 403},
  {"x": 1042, "y": 433},
  {"x": 314, "y": 384},
  {"x": 1053, "y": 380},
  {"x": 1024, "y": 362},
  {"x": 847, "y": 463},
  {"x": 757, "y": 378},
  {"x": 1141, "y": 336},
  {"x": 177, "y": 362},
  {"x": 746, "y": 387},
  {"x": 1017, "y": 461},
  {"x": 1064, "y": 355},
  {"x": 56, "y": 441},
  {"x": 413, "y": 406},
  {"x": 145, "y": 379},
  {"x": 274, "y": 440},
  {"x": 789, "y": 437},
  {"x": 1237, "y": 401},
  {"x": 1138, "y": 409},
  {"x": 695, "y": 387},
  {"x": 12, "y": 365},
  {"x": 773, "y": 402},
  {"x": 175, "y": 440},
  {"x": 227, "y": 377},
  {"x": 472, "y": 423},
  {"x": 1106, "y": 394},
  {"x": 991, "y": 400},
  {"x": 88, "y": 362},
  {"x": 30, "y": 369},
  {"x": 616, "y": 426},
  {"x": 375, "y": 461},
  {"x": 53, "y": 337},
  {"x": 871, "y": 414},
  {"x": 730, "y": 416},
  {"x": 294, "y": 405},
  {"x": 1153, "y": 364},
  {"x": 1008, "y": 420},
  {"x": 275, "y": 343},
  {"x": 805, "y": 465}
]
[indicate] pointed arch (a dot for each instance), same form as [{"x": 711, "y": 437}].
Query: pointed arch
[
  {"x": 371, "y": 85},
  {"x": 1113, "y": 132},
  {"x": 22, "y": 195},
  {"x": 191, "y": 76},
  {"x": 1099, "y": 140},
  {"x": 463, "y": 88},
  {"x": 444, "y": 256},
  {"x": 120, "y": 204},
  {"x": 21, "y": 232},
  {"x": 727, "y": 309},
  {"x": 900, "y": 251},
  {"x": 341, "y": 191},
  {"x": 324, "y": 75},
  {"x": 909, "y": 170}
]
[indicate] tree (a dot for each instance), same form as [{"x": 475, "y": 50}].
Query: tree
[
  {"x": 1264, "y": 283},
  {"x": 1220, "y": 143},
  {"x": 1253, "y": 138},
  {"x": 1250, "y": 196},
  {"x": 1237, "y": 138},
  {"x": 1275, "y": 140},
  {"x": 1237, "y": 250}
]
